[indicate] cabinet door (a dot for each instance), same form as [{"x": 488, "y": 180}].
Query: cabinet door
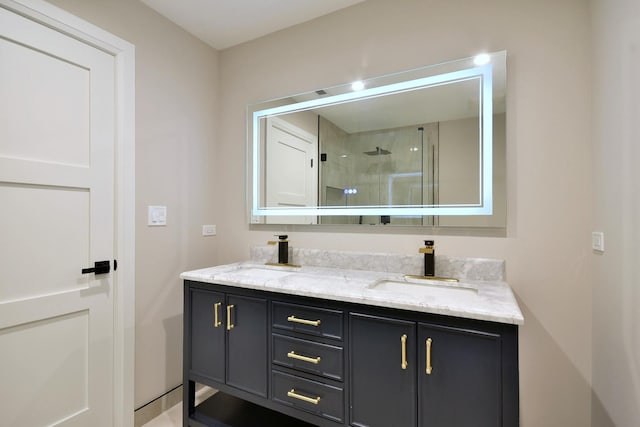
[
  {"x": 247, "y": 353},
  {"x": 207, "y": 336},
  {"x": 383, "y": 388},
  {"x": 463, "y": 386}
]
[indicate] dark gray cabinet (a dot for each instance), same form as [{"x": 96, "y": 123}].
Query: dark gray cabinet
[
  {"x": 458, "y": 372},
  {"x": 329, "y": 363},
  {"x": 207, "y": 334},
  {"x": 459, "y": 377},
  {"x": 382, "y": 371},
  {"x": 308, "y": 360},
  {"x": 228, "y": 338},
  {"x": 247, "y": 337},
  {"x": 325, "y": 360}
]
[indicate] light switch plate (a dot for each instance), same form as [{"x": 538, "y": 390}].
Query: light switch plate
[
  {"x": 208, "y": 230},
  {"x": 597, "y": 241},
  {"x": 157, "y": 215}
]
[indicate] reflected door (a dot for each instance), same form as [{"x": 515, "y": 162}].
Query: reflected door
[
  {"x": 56, "y": 218},
  {"x": 291, "y": 170}
]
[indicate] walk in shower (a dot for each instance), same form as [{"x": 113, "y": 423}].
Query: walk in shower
[{"x": 378, "y": 167}]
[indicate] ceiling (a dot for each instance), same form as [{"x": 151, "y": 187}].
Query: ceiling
[{"x": 226, "y": 23}]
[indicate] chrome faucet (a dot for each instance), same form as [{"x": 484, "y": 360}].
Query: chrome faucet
[{"x": 429, "y": 258}]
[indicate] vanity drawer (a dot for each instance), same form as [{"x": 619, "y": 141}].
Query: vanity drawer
[
  {"x": 321, "y": 399},
  {"x": 320, "y": 359},
  {"x": 308, "y": 320}
]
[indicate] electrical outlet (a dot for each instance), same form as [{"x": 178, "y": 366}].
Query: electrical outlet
[{"x": 208, "y": 230}]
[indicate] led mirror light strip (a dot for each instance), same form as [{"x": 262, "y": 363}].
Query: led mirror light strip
[{"x": 486, "y": 149}]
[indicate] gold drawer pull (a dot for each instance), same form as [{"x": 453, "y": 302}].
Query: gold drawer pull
[
  {"x": 294, "y": 319},
  {"x": 293, "y": 355},
  {"x": 429, "y": 368},
  {"x": 216, "y": 319},
  {"x": 403, "y": 341},
  {"x": 313, "y": 400},
  {"x": 229, "y": 324}
]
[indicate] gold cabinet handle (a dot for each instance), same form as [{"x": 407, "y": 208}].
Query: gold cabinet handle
[
  {"x": 216, "y": 318},
  {"x": 429, "y": 368},
  {"x": 293, "y": 355},
  {"x": 294, "y": 319},
  {"x": 229, "y": 324},
  {"x": 313, "y": 400},
  {"x": 403, "y": 341}
]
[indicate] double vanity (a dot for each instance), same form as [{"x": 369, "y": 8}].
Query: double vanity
[
  {"x": 329, "y": 338},
  {"x": 351, "y": 339}
]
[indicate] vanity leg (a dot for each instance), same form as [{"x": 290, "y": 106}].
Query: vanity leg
[{"x": 189, "y": 400}]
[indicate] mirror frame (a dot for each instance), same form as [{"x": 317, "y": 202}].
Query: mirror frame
[{"x": 485, "y": 207}]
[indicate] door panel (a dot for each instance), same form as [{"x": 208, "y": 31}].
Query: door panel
[
  {"x": 207, "y": 336},
  {"x": 57, "y": 173},
  {"x": 33, "y": 130},
  {"x": 464, "y": 386},
  {"x": 247, "y": 354},
  {"x": 60, "y": 348},
  {"x": 382, "y": 392},
  {"x": 288, "y": 162},
  {"x": 291, "y": 170},
  {"x": 25, "y": 222}
]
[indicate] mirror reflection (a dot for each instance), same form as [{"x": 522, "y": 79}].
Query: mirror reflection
[{"x": 425, "y": 147}]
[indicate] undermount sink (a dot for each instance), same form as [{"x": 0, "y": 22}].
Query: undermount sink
[
  {"x": 426, "y": 287},
  {"x": 263, "y": 272}
]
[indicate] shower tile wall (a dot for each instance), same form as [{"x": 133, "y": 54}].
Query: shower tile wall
[
  {"x": 378, "y": 178},
  {"x": 335, "y": 171},
  {"x": 440, "y": 166}
]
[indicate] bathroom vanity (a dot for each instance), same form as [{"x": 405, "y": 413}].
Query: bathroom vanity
[{"x": 333, "y": 346}]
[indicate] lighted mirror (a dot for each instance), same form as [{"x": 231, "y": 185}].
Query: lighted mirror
[{"x": 423, "y": 147}]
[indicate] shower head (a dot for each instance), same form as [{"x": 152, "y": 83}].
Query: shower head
[{"x": 377, "y": 152}]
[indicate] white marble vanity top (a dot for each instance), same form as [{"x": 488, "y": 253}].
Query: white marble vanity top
[{"x": 471, "y": 298}]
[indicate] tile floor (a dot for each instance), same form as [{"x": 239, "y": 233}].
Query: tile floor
[{"x": 172, "y": 417}]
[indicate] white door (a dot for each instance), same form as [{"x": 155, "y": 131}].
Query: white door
[
  {"x": 291, "y": 170},
  {"x": 57, "y": 133}
]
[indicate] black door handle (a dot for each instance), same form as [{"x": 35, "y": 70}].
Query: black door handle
[{"x": 99, "y": 267}]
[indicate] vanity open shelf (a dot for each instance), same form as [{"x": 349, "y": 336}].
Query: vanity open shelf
[{"x": 278, "y": 355}]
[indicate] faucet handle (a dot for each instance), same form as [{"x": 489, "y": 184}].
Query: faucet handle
[
  {"x": 281, "y": 238},
  {"x": 428, "y": 247}
]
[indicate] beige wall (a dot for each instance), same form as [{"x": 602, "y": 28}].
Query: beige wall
[
  {"x": 459, "y": 133},
  {"x": 176, "y": 81},
  {"x": 459, "y": 175},
  {"x": 616, "y": 180},
  {"x": 547, "y": 248},
  {"x": 182, "y": 154}
]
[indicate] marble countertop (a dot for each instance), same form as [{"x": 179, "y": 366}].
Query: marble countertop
[{"x": 490, "y": 300}]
